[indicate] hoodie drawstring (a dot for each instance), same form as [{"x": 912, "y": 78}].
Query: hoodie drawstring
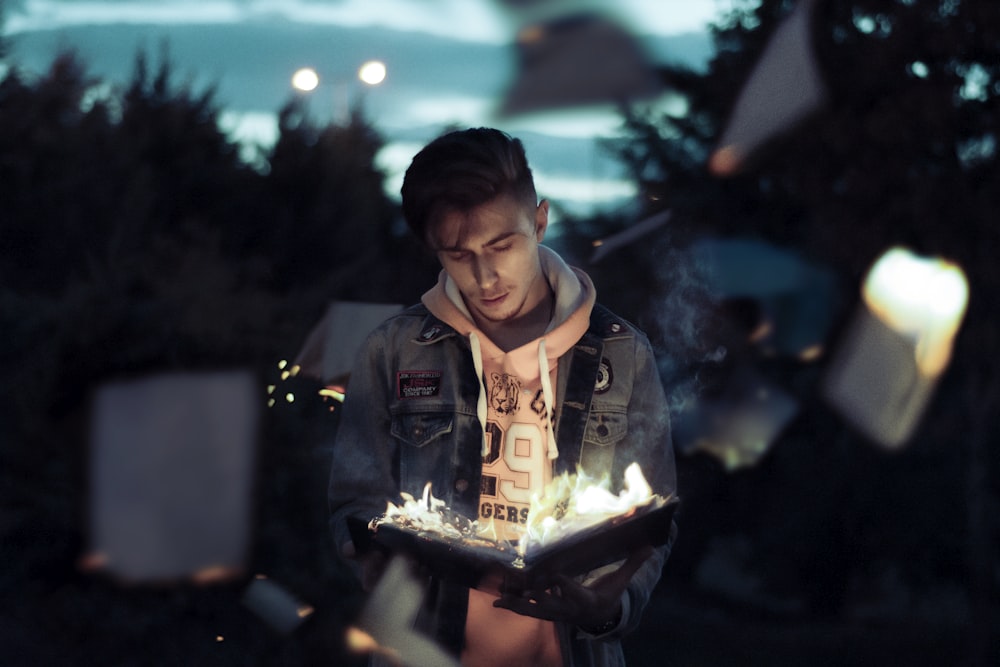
[
  {"x": 552, "y": 448},
  {"x": 543, "y": 369},
  {"x": 477, "y": 362}
]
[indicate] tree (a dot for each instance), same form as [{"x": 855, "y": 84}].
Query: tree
[
  {"x": 136, "y": 242},
  {"x": 903, "y": 153}
]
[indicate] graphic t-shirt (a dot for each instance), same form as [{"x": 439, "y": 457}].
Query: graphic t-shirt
[
  {"x": 517, "y": 463},
  {"x": 517, "y": 396}
]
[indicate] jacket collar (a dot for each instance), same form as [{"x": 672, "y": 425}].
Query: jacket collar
[
  {"x": 432, "y": 329},
  {"x": 607, "y": 325}
]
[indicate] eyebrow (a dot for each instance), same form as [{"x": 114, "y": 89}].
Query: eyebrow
[{"x": 495, "y": 240}]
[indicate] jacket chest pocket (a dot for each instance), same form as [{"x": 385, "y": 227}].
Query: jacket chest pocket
[
  {"x": 426, "y": 451},
  {"x": 419, "y": 430},
  {"x": 605, "y": 427}
]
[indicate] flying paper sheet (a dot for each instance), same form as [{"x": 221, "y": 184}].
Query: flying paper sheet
[
  {"x": 333, "y": 344},
  {"x": 171, "y": 468},
  {"x": 577, "y": 60},
  {"x": 899, "y": 343},
  {"x": 784, "y": 87}
]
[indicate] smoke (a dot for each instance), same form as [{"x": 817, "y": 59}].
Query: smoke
[{"x": 682, "y": 312}]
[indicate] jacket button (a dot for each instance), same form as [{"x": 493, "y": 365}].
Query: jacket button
[
  {"x": 461, "y": 485},
  {"x": 602, "y": 430},
  {"x": 418, "y": 431}
]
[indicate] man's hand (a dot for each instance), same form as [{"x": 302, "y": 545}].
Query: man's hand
[{"x": 570, "y": 601}]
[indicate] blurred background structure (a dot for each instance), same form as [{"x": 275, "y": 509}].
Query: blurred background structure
[{"x": 762, "y": 190}]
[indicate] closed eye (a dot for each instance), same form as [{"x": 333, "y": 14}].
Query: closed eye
[{"x": 458, "y": 255}]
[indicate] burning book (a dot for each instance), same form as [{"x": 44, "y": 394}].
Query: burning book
[{"x": 574, "y": 526}]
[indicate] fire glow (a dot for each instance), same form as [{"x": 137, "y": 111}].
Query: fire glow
[
  {"x": 898, "y": 345},
  {"x": 922, "y": 298},
  {"x": 427, "y": 515},
  {"x": 569, "y": 504}
]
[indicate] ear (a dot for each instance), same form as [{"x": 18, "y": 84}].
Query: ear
[{"x": 541, "y": 219}]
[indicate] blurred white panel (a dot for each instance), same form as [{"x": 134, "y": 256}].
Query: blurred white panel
[
  {"x": 275, "y": 605},
  {"x": 333, "y": 344},
  {"x": 171, "y": 467},
  {"x": 900, "y": 342},
  {"x": 630, "y": 235},
  {"x": 388, "y": 616},
  {"x": 783, "y": 88},
  {"x": 739, "y": 426},
  {"x": 575, "y": 61},
  {"x": 874, "y": 383}
]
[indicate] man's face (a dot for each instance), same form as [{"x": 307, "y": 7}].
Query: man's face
[{"x": 491, "y": 253}]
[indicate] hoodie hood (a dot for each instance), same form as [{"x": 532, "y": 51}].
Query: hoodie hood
[{"x": 535, "y": 361}]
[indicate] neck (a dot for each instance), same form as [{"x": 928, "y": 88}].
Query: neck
[{"x": 512, "y": 334}]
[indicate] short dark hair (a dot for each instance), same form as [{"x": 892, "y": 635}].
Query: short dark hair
[{"x": 461, "y": 170}]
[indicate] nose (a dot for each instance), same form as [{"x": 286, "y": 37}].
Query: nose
[{"x": 485, "y": 273}]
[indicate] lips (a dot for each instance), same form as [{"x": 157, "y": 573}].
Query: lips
[{"x": 492, "y": 302}]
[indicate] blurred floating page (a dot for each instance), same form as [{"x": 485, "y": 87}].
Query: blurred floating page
[
  {"x": 332, "y": 346},
  {"x": 739, "y": 426},
  {"x": 575, "y": 61},
  {"x": 874, "y": 383},
  {"x": 171, "y": 470},
  {"x": 275, "y": 605},
  {"x": 785, "y": 86},
  {"x": 899, "y": 344}
]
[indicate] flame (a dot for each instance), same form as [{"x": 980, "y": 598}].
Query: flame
[
  {"x": 428, "y": 514},
  {"x": 571, "y": 503},
  {"x": 568, "y": 504},
  {"x": 488, "y": 530},
  {"x": 923, "y": 299}
]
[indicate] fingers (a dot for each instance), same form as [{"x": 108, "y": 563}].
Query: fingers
[
  {"x": 631, "y": 565},
  {"x": 620, "y": 577},
  {"x": 569, "y": 600}
]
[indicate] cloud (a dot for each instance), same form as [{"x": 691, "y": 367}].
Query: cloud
[
  {"x": 461, "y": 20},
  {"x": 657, "y": 17},
  {"x": 445, "y": 70},
  {"x": 575, "y": 191},
  {"x": 34, "y": 15},
  {"x": 583, "y": 191}
]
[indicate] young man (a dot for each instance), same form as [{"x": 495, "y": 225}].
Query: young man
[{"x": 506, "y": 374}]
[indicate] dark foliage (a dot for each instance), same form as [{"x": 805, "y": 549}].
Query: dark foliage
[
  {"x": 135, "y": 240},
  {"x": 904, "y": 153}
]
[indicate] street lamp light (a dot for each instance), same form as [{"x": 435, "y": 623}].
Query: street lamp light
[
  {"x": 372, "y": 72},
  {"x": 307, "y": 79}
]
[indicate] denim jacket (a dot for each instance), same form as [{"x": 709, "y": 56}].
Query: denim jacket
[{"x": 410, "y": 418}]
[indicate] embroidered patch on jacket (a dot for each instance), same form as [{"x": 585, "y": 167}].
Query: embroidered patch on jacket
[
  {"x": 604, "y": 377},
  {"x": 417, "y": 384}
]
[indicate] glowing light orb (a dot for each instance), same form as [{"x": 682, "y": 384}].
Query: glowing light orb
[
  {"x": 372, "y": 72},
  {"x": 305, "y": 79}
]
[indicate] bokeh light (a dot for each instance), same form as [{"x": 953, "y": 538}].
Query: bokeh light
[
  {"x": 305, "y": 79},
  {"x": 372, "y": 72}
]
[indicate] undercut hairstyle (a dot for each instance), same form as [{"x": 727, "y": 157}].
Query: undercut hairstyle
[{"x": 462, "y": 170}]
